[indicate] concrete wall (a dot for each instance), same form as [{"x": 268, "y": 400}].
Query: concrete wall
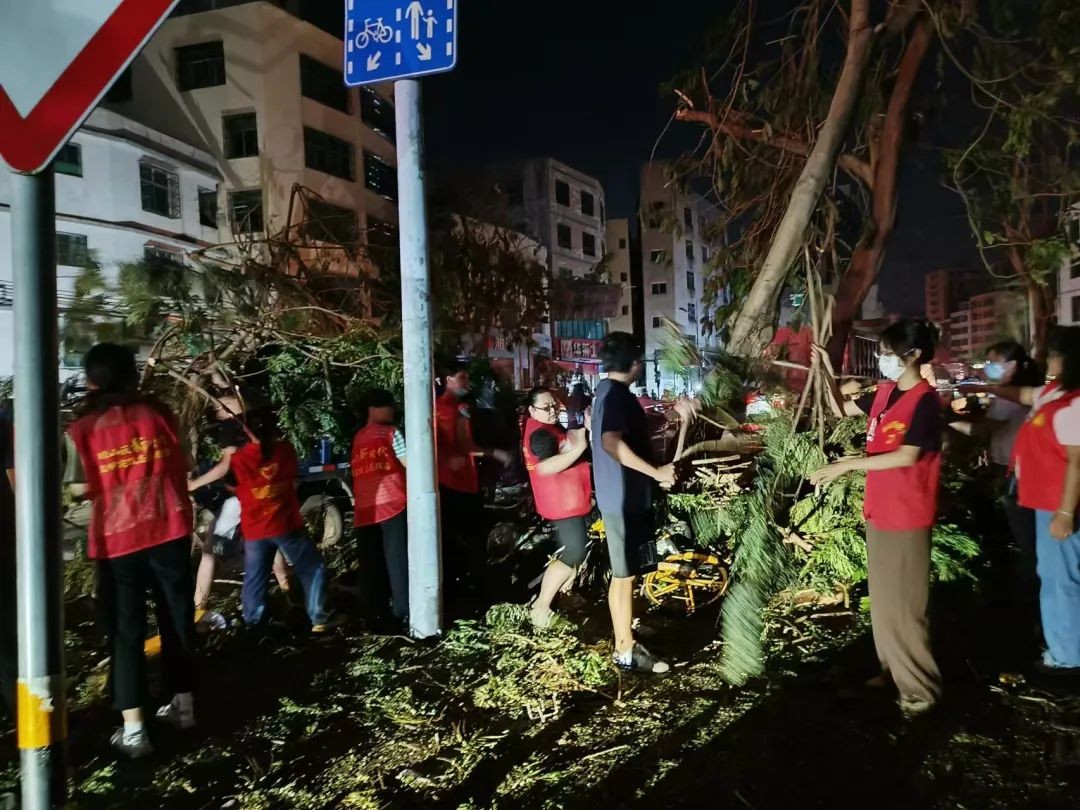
[{"x": 618, "y": 247}]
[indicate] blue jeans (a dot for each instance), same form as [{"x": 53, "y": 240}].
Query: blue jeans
[
  {"x": 1059, "y": 593},
  {"x": 306, "y": 562}
]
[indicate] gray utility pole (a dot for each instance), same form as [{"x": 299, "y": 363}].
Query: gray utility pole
[
  {"x": 425, "y": 545},
  {"x": 42, "y": 718}
]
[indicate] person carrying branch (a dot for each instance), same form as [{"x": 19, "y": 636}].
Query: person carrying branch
[{"x": 903, "y": 468}]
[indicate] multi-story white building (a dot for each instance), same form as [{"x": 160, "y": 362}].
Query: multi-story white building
[
  {"x": 262, "y": 90},
  {"x": 1069, "y": 274},
  {"x": 620, "y": 272},
  {"x": 675, "y": 252},
  {"x": 123, "y": 192}
]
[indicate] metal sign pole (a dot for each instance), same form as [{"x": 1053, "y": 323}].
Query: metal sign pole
[
  {"x": 42, "y": 720},
  {"x": 425, "y": 545}
]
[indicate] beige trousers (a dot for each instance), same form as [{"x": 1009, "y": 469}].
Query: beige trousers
[{"x": 899, "y": 577}]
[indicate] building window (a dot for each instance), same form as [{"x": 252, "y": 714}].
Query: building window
[
  {"x": 623, "y": 278},
  {"x": 201, "y": 65},
  {"x": 378, "y": 113},
  {"x": 379, "y": 176},
  {"x": 625, "y": 309},
  {"x": 121, "y": 90},
  {"x": 659, "y": 288},
  {"x": 71, "y": 250},
  {"x": 563, "y": 236},
  {"x": 689, "y": 251},
  {"x": 246, "y": 211},
  {"x": 331, "y": 223},
  {"x": 329, "y": 155},
  {"x": 691, "y": 313},
  {"x": 603, "y": 214},
  {"x": 656, "y": 322},
  {"x": 159, "y": 256},
  {"x": 160, "y": 190},
  {"x": 381, "y": 234},
  {"x": 688, "y": 218},
  {"x": 241, "y": 135},
  {"x": 691, "y": 281},
  {"x": 656, "y": 256},
  {"x": 1075, "y": 302},
  {"x": 588, "y": 244},
  {"x": 208, "y": 199},
  {"x": 622, "y": 244},
  {"x": 562, "y": 193},
  {"x": 1074, "y": 269},
  {"x": 515, "y": 193},
  {"x": 566, "y": 272},
  {"x": 704, "y": 254},
  {"x": 588, "y": 204},
  {"x": 69, "y": 160},
  {"x": 323, "y": 84}
]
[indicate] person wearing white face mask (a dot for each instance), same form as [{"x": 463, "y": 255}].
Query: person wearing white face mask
[{"x": 903, "y": 466}]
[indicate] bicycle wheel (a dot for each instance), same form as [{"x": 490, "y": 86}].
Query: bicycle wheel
[
  {"x": 384, "y": 34},
  {"x": 695, "y": 578},
  {"x": 362, "y": 40}
]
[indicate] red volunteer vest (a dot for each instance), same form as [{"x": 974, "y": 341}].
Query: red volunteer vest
[
  {"x": 563, "y": 495},
  {"x": 269, "y": 506},
  {"x": 136, "y": 479},
  {"x": 1042, "y": 460},
  {"x": 904, "y": 498},
  {"x": 378, "y": 476},
  {"x": 457, "y": 467}
]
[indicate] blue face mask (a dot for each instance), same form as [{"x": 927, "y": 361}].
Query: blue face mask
[{"x": 995, "y": 372}]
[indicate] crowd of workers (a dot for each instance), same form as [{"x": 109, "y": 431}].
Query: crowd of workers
[{"x": 128, "y": 459}]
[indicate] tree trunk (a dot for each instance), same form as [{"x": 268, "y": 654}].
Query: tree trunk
[
  {"x": 1040, "y": 310},
  {"x": 866, "y": 261},
  {"x": 755, "y": 317}
]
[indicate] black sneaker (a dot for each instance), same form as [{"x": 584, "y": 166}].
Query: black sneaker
[{"x": 640, "y": 660}]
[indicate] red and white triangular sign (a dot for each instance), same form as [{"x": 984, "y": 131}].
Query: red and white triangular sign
[{"x": 57, "y": 59}]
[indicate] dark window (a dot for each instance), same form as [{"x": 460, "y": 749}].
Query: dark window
[
  {"x": 659, "y": 288},
  {"x": 704, "y": 255},
  {"x": 603, "y": 213},
  {"x": 689, "y": 251},
  {"x": 656, "y": 256},
  {"x": 625, "y": 310},
  {"x": 588, "y": 204},
  {"x": 331, "y": 223},
  {"x": 563, "y": 236},
  {"x": 241, "y": 135},
  {"x": 688, "y": 218},
  {"x": 1074, "y": 270},
  {"x": 323, "y": 84},
  {"x": 381, "y": 234},
  {"x": 246, "y": 211},
  {"x": 566, "y": 272},
  {"x": 656, "y": 322},
  {"x": 515, "y": 193},
  {"x": 121, "y": 89},
  {"x": 588, "y": 244},
  {"x": 69, "y": 160},
  {"x": 378, "y": 113},
  {"x": 208, "y": 199},
  {"x": 160, "y": 190},
  {"x": 691, "y": 313},
  {"x": 1075, "y": 302},
  {"x": 622, "y": 244},
  {"x": 562, "y": 193},
  {"x": 380, "y": 176},
  {"x": 623, "y": 278},
  {"x": 6, "y": 293},
  {"x": 690, "y": 281},
  {"x": 156, "y": 255},
  {"x": 71, "y": 250},
  {"x": 329, "y": 155},
  {"x": 201, "y": 65}
]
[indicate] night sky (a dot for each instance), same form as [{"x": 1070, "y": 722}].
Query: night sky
[{"x": 580, "y": 81}]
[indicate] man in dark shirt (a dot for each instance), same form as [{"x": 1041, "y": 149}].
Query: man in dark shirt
[
  {"x": 9, "y": 662},
  {"x": 624, "y": 477}
]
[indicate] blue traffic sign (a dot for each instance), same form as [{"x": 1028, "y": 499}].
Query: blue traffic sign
[{"x": 398, "y": 39}]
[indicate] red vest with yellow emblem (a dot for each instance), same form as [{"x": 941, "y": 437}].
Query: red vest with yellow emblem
[
  {"x": 378, "y": 476},
  {"x": 266, "y": 488},
  {"x": 457, "y": 467},
  {"x": 562, "y": 495},
  {"x": 904, "y": 498},
  {"x": 1040, "y": 459},
  {"x": 136, "y": 478}
]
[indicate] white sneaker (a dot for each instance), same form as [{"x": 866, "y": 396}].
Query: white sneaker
[
  {"x": 638, "y": 659},
  {"x": 179, "y": 718},
  {"x": 912, "y": 707},
  {"x": 541, "y": 619},
  {"x": 133, "y": 746}
]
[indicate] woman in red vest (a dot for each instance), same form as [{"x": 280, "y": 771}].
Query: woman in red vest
[
  {"x": 1046, "y": 462},
  {"x": 378, "y": 475},
  {"x": 903, "y": 465},
  {"x": 562, "y": 489},
  {"x": 266, "y": 470},
  {"x": 125, "y": 456}
]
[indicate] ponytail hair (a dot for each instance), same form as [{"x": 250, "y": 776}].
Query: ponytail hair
[
  {"x": 912, "y": 335},
  {"x": 263, "y": 428}
]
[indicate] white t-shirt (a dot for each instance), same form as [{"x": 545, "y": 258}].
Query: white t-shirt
[{"x": 1066, "y": 421}]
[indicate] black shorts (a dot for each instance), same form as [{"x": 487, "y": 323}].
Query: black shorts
[
  {"x": 572, "y": 538},
  {"x": 630, "y": 543}
]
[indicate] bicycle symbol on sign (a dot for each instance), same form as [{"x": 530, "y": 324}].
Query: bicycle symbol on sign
[{"x": 374, "y": 32}]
